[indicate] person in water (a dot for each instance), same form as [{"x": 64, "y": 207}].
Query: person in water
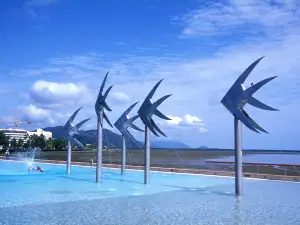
[
  {"x": 37, "y": 169},
  {"x": 7, "y": 154}
]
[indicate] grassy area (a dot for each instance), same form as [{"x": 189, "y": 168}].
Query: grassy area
[{"x": 136, "y": 157}]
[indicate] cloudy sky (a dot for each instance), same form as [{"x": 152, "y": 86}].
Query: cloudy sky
[{"x": 55, "y": 53}]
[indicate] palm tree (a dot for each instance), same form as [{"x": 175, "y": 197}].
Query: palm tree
[
  {"x": 13, "y": 144},
  {"x": 20, "y": 143}
]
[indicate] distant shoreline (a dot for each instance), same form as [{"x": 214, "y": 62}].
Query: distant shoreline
[
  {"x": 223, "y": 150},
  {"x": 183, "y": 149}
]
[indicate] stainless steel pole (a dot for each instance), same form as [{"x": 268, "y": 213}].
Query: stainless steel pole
[
  {"x": 123, "y": 155},
  {"x": 147, "y": 156},
  {"x": 238, "y": 157},
  {"x": 69, "y": 157},
  {"x": 99, "y": 148}
]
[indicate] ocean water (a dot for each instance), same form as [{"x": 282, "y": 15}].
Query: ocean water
[
  {"x": 53, "y": 197},
  {"x": 288, "y": 159}
]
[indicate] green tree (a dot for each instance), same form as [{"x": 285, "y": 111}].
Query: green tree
[
  {"x": 38, "y": 141},
  {"x": 13, "y": 143},
  {"x": 42, "y": 142},
  {"x": 33, "y": 140},
  {"x": 20, "y": 143},
  {"x": 26, "y": 144},
  {"x": 4, "y": 141},
  {"x": 49, "y": 143},
  {"x": 59, "y": 144}
]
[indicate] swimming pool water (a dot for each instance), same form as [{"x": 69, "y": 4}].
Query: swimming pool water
[{"x": 56, "y": 198}]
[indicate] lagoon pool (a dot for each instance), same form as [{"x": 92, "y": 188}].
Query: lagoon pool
[{"x": 53, "y": 197}]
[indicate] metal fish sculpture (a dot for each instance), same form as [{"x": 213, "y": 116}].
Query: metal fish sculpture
[{"x": 238, "y": 96}]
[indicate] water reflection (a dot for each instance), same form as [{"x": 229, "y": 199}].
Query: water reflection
[{"x": 238, "y": 211}]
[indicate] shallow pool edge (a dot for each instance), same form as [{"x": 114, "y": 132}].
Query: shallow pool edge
[{"x": 224, "y": 174}]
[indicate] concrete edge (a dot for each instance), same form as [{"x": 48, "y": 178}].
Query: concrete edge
[{"x": 191, "y": 171}]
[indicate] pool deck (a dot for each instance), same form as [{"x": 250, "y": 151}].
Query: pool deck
[{"x": 177, "y": 170}]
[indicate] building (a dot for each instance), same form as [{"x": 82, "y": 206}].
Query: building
[
  {"x": 40, "y": 131},
  {"x": 17, "y": 134}
]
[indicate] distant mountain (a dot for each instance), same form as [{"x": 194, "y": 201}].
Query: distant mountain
[
  {"x": 110, "y": 139},
  {"x": 168, "y": 144},
  {"x": 202, "y": 147},
  {"x": 57, "y": 132},
  {"x": 113, "y": 140}
]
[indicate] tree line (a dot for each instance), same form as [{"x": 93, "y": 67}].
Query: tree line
[{"x": 32, "y": 141}]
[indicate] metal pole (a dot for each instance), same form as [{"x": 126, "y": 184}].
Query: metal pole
[
  {"x": 99, "y": 148},
  {"x": 69, "y": 157},
  {"x": 147, "y": 156},
  {"x": 238, "y": 157},
  {"x": 123, "y": 155}
]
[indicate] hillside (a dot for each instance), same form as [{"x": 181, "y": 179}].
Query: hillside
[
  {"x": 168, "y": 144},
  {"x": 113, "y": 140},
  {"x": 110, "y": 139},
  {"x": 202, "y": 147}
]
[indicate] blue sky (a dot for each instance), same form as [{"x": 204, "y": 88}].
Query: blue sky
[{"x": 55, "y": 53}]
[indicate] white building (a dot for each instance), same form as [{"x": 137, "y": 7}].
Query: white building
[
  {"x": 16, "y": 134},
  {"x": 40, "y": 131}
]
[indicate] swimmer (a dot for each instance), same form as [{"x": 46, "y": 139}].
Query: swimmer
[
  {"x": 37, "y": 169},
  {"x": 7, "y": 154}
]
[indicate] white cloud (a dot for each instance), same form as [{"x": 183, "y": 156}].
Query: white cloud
[
  {"x": 187, "y": 121},
  {"x": 55, "y": 95},
  {"x": 191, "y": 119},
  {"x": 174, "y": 120},
  {"x": 41, "y": 117},
  {"x": 36, "y": 3},
  {"x": 57, "y": 90},
  {"x": 252, "y": 17},
  {"x": 34, "y": 114},
  {"x": 202, "y": 129},
  {"x": 120, "y": 97},
  {"x": 31, "y": 8}
]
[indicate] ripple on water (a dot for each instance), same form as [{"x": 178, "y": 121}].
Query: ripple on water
[
  {"x": 8, "y": 181},
  {"x": 137, "y": 194},
  {"x": 96, "y": 192},
  {"x": 34, "y": 183},
  {"x": 61, "y": 192}
]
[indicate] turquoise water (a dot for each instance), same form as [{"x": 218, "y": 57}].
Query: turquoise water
[{"x": 53, "y": 197}]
